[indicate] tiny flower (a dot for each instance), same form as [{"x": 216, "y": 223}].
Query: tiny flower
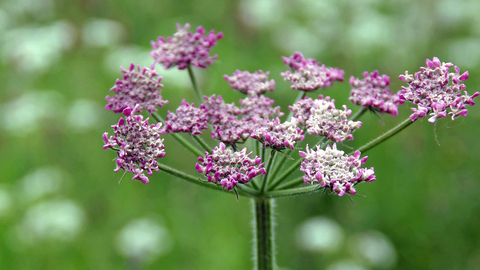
[
  {"x": 322, "y": 118},
  {"x": 308, "y": 74},
  {"x": 139, "y": 144},
  {"x": 232, "y": 124},
  {"x": 372, "y": 92},
  {"x": 335, "y": 170},
  {"x": 229, "y": 168},
  {"x": 250, "y": 83},
  {"x": 185, "y": 48},
  {"x": 278, "y": 135},
  {"x": 437, "y": 91},
  {"x": 138, "y": 86},
  {"x": 187, "y": 118}
]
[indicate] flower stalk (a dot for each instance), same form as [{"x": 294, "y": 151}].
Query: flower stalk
[{"x": 264, "y": 240}]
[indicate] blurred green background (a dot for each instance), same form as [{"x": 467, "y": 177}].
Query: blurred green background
[{"x": 61, "y": 207}]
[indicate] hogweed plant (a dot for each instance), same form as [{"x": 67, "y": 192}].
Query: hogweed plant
[{"x": 255, "y": 138}]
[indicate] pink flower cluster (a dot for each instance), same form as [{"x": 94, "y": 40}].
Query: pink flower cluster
[
  {"x": 308, "y": 74},
  {"x": 139, "y": 144},
  {"x": 187, "y": 118},
  {"x": 185, "y": 48},
  {"x": 228, "y": 128},
  {"x": 228, "y": 168},
  {"x": 251, "y": 83},
  {"x": 372, "y": 92},
  {"x": 437, "y": 91},
  {"x": 333, "y": 169},
  {"x": 138, "y": 86},
  {"x": 277, "y": 135},
  {"x": 322, "y": 118}
]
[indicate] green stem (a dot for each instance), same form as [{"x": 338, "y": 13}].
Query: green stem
[
  {"x": 269, "y": 166},
  {"x": 301, "y": 95},
  {"x": 202, "y": 143},
  {"x": 285, "y": 174},
  {"x": 292, "y": 183},
  {"x": 264, "y": 245},
  {"x": 384, "y": 136},
  {"x": 359, "y": 114},
  {"x": 187, "y": 177},
  {"x": 180, "y": 139},
  {"x": 293, "y": 192},
  {"x": 197, "y": 90},
  {"x": 279, "y": 165}
]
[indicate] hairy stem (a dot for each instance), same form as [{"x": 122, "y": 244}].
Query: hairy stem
[
  {"x": 197, "y": 90},
  {"x": 292, "y": 192},
  {"x": 384, "y": 136},
  {"x": 290, "y": 184},
  {"x": 180, "y": 139},
  {"x": 285, "y": 174},
  {"x": 269, "y": 166},
  {"x": 359, "y": 114},
  {"x": 187, "y": 177},
  {"x": 202, "y": 143},
  {"x": 264, "y": 244}
]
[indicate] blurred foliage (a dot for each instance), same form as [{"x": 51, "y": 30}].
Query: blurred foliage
[{"x": 61, "y": 207}]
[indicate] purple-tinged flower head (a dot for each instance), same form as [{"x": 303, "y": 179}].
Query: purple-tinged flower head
[
  {"x": 139, "y": 144},
  {"x": 308, "y": 74},
  {"x": 372, "y": 92},
  {"x": 228, "y": 168},
  {"x": 258, "y": 107},
  {"x": 138, "y": 86},
  {"x": 218, "y": 110},
  {"x": 232, "y": 124},
  {"x": 251, "y": 83},
  {"x": 335, "y": 170},
  {"x": 277, "y": 135},
  {"x": 187, "y": 118},
  {"x": 185, "y": 48},
  {"x": 437, "y": 91},
  {"x": 330, "y": 122},
  {"x": 301, "y": 109}
]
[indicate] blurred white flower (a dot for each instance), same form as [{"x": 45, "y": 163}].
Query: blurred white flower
[
  {"x": 35, "y": 49},
  {"x": 320, "y": 234},
  {"x": 5, "y": 21},
  {"x": 39, "y": 9},
  {"x": 84, "y": 114},
  {"x": 5, "y": 201},
  {"x": 103, "y": 32},
  {"x": 346, "y": 265},
  {"x": 59, "y": 220},
  {"x": 466, "y": 52},
  {"x": 143, "y": 239},
  {"x": 261, "y": 13},
  {"x": 123, "y": 56},
  {"x": 41, "y": 182},
  {"x": 292, "y": 37},
  {"x": 375, "y": 248},
  {"x": 23, "y": 115}
]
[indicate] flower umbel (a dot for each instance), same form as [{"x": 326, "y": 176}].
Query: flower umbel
[
  {"x": 187, "y": 118},
  {"x": 372, "y": 92},
  {"x": 251, "y": 83},
  {"x": 308, "y": 74},
  {"x": 322, "y": 118},
  {"x": 228, "y": 168},
  {"x": 333, "y": 169},
  {"x": 437, "y": 91},
  {"x": 139, "y": 144},
  {"x": 138, "y": 86},
  {"x": 185, "y": 48},
  {"x": 278, "y": 135}
]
